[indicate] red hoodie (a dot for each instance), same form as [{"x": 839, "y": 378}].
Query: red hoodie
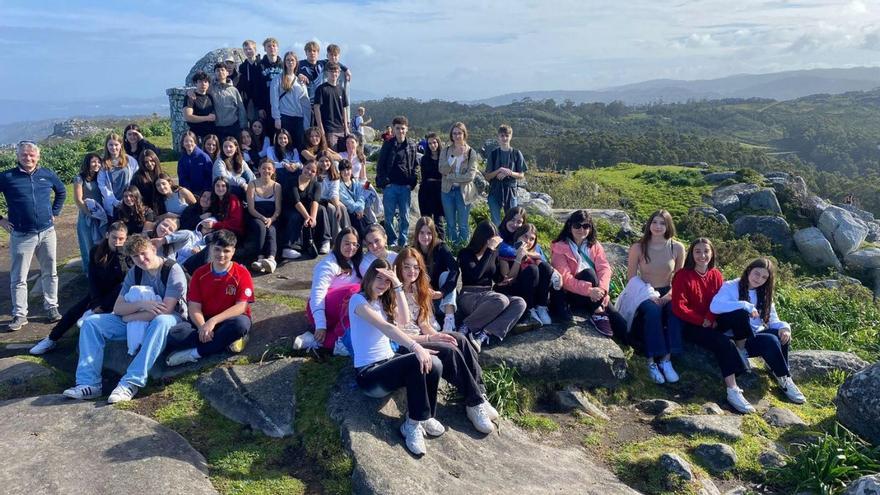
[{"x": 234, "y": 219}]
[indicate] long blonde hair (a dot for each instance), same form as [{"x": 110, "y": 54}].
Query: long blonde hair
[{"x": 123, "y": 156}]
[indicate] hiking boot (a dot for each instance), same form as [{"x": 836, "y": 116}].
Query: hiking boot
[
  {"x": 479, "y": 416},
  {"x": 655, "y": 373},
  {"x": 43, "y": 346},
  {"x": 83, "y": 392},
  {"x": 791, "y": 390},
  {"x": 737, "y": 400},
  {"x": 123, "y": 392},
  {"x": 17, "y": 322},
  {"x": 668, "y": 371},
  {"x": 53, "y": 315},
  {"x": 414, "y": 434},
  {"x": 433, "y": 427}
]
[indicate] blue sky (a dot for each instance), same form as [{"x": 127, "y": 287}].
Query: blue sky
[{"x": 60, "y": 50}]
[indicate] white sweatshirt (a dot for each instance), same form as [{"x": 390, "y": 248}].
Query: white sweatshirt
[{"x": 727, "y": 300}]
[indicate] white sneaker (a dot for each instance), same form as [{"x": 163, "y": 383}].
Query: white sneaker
[
  {"x": 269, "y": 265},
  {"x": 449, "y": 323},
  {"x": 655, "y": 373},
  {"x": 491, "y": 411},
  {"x": 122, "y": 393},
  {"x": 257, "y": 266},
  {"x": 544, "y": 315},
  {"x": 744, "y": 354},
  {"x": 43, "y": 346},
  {"x": 83, "y": 392},
  {"x": 533, "y": 315},
  {"x": 304, "y": 340},
  {"x": 180, "y": 357},
  {"x": 433, "y": 427},
  {"x": 791, "y": 390},
  {"x": 290, "y": 254},
  {"x": 325, "y": 248},
  {"x": 480, "y": 418},
  {"x": 736, "y": 399},
  {"x": 414, "y": 434},
  {"x": 668, "y": 371}
]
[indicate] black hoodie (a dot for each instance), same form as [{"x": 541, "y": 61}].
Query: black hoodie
[{"x": 268, "y": 71}]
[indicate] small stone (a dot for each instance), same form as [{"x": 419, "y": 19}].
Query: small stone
[
  {"x": 657, "y": 406},
  {"x": 712, "y": 408},
  {"x": 717, "y": 457},
  {"x": 727, "y": 426},
  {"x": 782, "y": 418},
  {"x": 771, "y": 459},
  {"x": 866, "y": 485},
  {"x": 675, "y": 465},
  {"x": 571, "y": 398}
]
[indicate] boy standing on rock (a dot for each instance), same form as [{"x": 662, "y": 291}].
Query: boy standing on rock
[{"x": 504, "y": 167}]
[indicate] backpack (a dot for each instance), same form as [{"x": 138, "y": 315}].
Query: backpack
[{"x": 166, "y": 271}]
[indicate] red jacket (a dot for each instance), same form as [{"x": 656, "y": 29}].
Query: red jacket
[
  {"x": 692, "y": 294},
  {"x": 234, "y": 220},
  {"x": 564, "y": 261}
]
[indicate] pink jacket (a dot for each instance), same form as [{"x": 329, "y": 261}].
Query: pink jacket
[{"x": 564, "y": 261}]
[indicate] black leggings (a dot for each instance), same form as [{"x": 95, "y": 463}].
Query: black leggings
[
  {"x": 461, "y": 367},
  {"x": 764, "y": 344},
  {"x": 266, "y": 236},
  {"x": 718, "y": 344},
  {"x": 532, "y": 283},
  {"x": 430, "y": 204},
  {"x": 225, "y": 333},
  {"x": 73, "y": 314},
  {"x": 295, "y": 230},
  {"x": 584, "y": 303},
  {"x": 383, "y": 377}
]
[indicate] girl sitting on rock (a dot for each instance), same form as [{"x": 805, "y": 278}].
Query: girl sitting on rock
[
  {"x": 231, "y": 166},
  {"x": 461, "y": 366},
  {"x": 315, "y": 144},
  {"x": 746, "y": 313},
  {"x": 527, "y": 274},
  {"x": 264, "y": 206},
  {"x": 337, "y": 215},
  {"x": 134, "y": 213},
  {"x": 489, "y": 313},
  {"x": 656, "y": 258},
  {"x": 211, "y": 146},
  {"x": 115, "y": 176},
  {"x": 441, "y": 266},
  {"x": 334, "y": 280},
  {"x": 146, "y": 175},
  {"x": 171, "y": 198},
  {"x": 377, "y": 314},
  {"x": 194, "y": 166},
  {"x": 585, "y": 272},
  {"x": 376, "y": 242}
]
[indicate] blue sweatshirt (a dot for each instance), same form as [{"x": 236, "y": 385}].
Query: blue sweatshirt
[
  {"x": 194, "y": 171},
  {"x": 29, "y": 198}
]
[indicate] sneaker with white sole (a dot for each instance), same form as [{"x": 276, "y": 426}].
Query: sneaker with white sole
[
  {"x": 180, "y": 357},
  {"x": 122, "y": 393},
  {"x": 43, "y": 346},
  {"x": 654, "y": 372},
  {"x": 668, "y": 371},
  {"x": 269, "y": 264},
  {"x": 479, "y": 416},
  {"x": 737, "y": 400},
  {"x": 257, "y": 266},
  {"x": 291, "y": 254},
  {"x": 744, "y": 354},
  {"x": 791, "y": 390},
  {"x": 544, "y": 315},
  {"x": 17, "y": 322},
  {"x": 491, "y": 411},
  {"x": 414, "y": 434},
  {"x": 83, "y": 392},
  {"x": 433, "y": 427},
  {"x": 325, "y": 247}
]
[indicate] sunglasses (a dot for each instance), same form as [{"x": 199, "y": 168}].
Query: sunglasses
[{"x": 584, "y": 226}]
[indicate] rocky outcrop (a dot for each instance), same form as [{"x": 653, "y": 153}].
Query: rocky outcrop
[
  {"x": 782, "y": 418},
  {"x": 534, "y": 202},
  {"x": 56, "y": 445},
  {"x": 728, "y": 199},
  {"x": 844, "y": 231},
  {"x": 866, "y": 485},
  {"x": 815, "y": 248},
  {"x": 726, "y": 427},
  {"x": 863, "y": 259},
  {"x": 460, "y": 461},
  {"x": 710, "y": 212},
  {"x": 809, "y": 365},
  {"x": 716, "y": 457},
  {"x": 774, "y": 228},
  {"x": 74, "y": 129},
  {"x": 618, "y": 218},
  {"x": 858, "y": 403},
  {"x": 17, "y": 372},
  {"x": 716, "y": 177}
]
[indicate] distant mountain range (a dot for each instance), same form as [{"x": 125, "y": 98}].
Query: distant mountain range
[{"x": 777, "y": 86}]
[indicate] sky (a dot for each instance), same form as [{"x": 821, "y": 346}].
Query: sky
[{"x": 85, "y": 50}]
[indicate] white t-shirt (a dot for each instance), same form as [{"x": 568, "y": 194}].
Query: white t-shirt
[
  {"x": 369, "y": 344},
  {"x": 369, "y": 258}
]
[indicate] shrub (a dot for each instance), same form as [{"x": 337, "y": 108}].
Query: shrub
[
  {"x": 158, "y": 128},
  {"x": 692, "y": 225},
  {"x": 502, "y": 389}
]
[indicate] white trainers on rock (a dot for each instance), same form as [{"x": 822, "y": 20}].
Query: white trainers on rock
[
  {"x": 290, "y": 254},
  {"x": 479, "y": 416},
  {"x": 791, "y": 390},
  {"x": 654, "y": 372},
  {"x": 668, "y": 371},
  {"x": 433, "y": 427},
  {"x": 414, "y": 434},
  {"x": 83, "y": 392},
  {"x": 491, "y": 411},
  {"x": 738, "y": 401},
  {"x": 123, "y": 392},
  {"x": 43, "y": 346},
  {"x": 325, "y": 248}
]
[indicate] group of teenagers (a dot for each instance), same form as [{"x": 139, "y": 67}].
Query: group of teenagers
[{"x": 413, "y": 315}]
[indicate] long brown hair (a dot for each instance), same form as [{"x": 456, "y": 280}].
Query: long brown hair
[
  {"x": 358, "y": 150},
  {"x": 288, "y": 79},
  {"x": 234, "y": 163},
  {"x": 138, "y": 212},
  {"x": 101, "y": 252},
  {"x": 764, "y": 293},
  {"x": 646, "y": 231},
  {"x": 389, "y": 305},
  {"x": 332, "y": 173},
  {"x": 689, "y": 262},
  {"x": 422, "y": 284},
  {"x": 149, "y": 176},
  {"x": 158, "y": 198},
  {"x": 85, "y": 168},
  {"x": 322, "y": 144},
  {"x": 435, "y": 239}
]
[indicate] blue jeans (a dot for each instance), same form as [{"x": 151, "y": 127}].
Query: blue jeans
[
  {"x": 496, "y": 212},
  {"x": 457, "y": 214},
  {"x": 396, "y": 199},
  {"x": 86, "y": 239},
  {"x": 660, "y": 339},
  {"x": 98, "y": 329}
]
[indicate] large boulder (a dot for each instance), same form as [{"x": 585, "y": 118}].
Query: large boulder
[
  {"x": 858, "y": 403},
  {"x": 55, "y": 445},
  {"x": 774, "y": 228},
  {"x": 369, "y": 134},
  {"x": 763, "y": 200},
  {"x": 617, "y": 254},
  {"x": 717, "y": 457},
  {"x": 206, "y": 63},
  {"x": 728, "y": 199},
  {"x": 815, "y": 248},
  {"x": 866, "y": 485},
  {"x": 726, "y": 427},
  {"x": 16, "y": 372},
  {"x": 617, "y": 218},
  {"x": 863, "y": 259},
  {"x": 808, "y": 365},
  {"x": 259, "y": 395},
  {"x": 843, "y": 230},
  {"x": 815, "y": 206},
  {"x": 460, "y": 461},
  {"x": 561, "y": 354},
  {"x": 709, "y": 212}
]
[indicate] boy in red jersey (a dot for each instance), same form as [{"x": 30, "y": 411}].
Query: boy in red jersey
[{"x": 219, "y": 298}]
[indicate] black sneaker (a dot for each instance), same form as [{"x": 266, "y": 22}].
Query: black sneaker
[
  {"x": 17, "y": 322},
  {"x": 53, "y": 315}
]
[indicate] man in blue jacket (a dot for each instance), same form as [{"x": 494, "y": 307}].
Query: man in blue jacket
[{"x": 32, "y": 212}]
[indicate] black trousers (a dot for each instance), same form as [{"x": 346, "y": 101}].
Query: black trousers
[
  {"x": 225, "y": 333},
  {"x": 764, "y": 344},
  {"x": 266, "y": 236},
  {"x": 335, "y": 223},
  {"x": 294, "y": 125},
  {"x": 718, "y": 344},
  {"x": 461, "y": 367},
  {"x": 532, "y": 283},
  {"x": 224, "y": 131},
  {"x": 431, "y": 205},
  {"x": 381, "y": 378},
  {"x": 297, "y": 232},
  {"x": 69, "y": 318}
]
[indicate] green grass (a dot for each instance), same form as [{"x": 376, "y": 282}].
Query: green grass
[
  {"x": 535, "y": 422},
  {"x": 294, "y": 303}
]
